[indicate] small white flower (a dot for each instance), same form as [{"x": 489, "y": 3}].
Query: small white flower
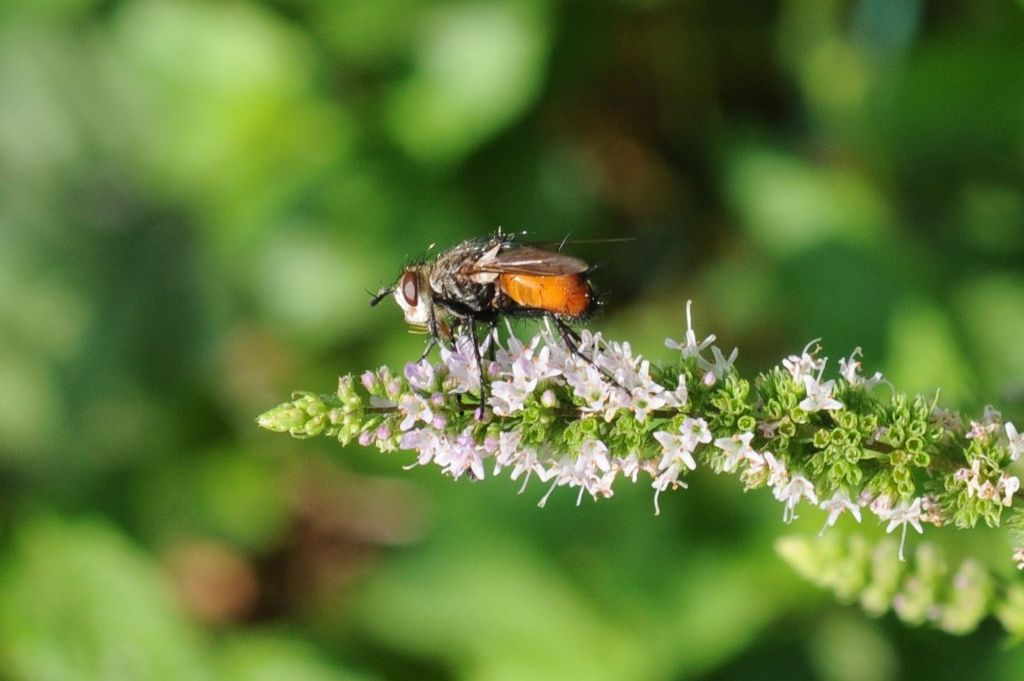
[
  {"x": 617, "y": 360},
  {"x": 508, "y": 449},
  {"x": 677, "y": 452},
  {"x": 601, "y": 486},
  {"x": 613, "y": 402},
  {"x": 991, "y": 419},
  {"x": 513, "y": 350},
  {"x": 421, "y": 375},
  {"x": 424, "y": 441},
  {"x": 981, "y": 430},
  {"x": 642, "y": 395},
  {"x": 849, "y": 368},
  {"x": 819, "y": 396},
  {"x": 836, "y": 506},
  {"x": 720, "y": 365},
  {"x": 594, "y": 471},
  {"x": 881, "y": 506},
  {"x": 588, "y": 384},
  {"x": 986, "y": 489},
  {"x": 414, "y": 408},
  {"x": 737, "y": 448},
  {"x": 674, "y": 450},
  {"x": 792, "y": 492},
  {"x": 678, "y": 397},
  {"x": 632, "y": 465},
  {"x": 524, "y": 372},
  {"x": 695, "y": 431},
  {"x": 591, "y": 471},
  {"x": 460, "y": 456},
  {"x": 463, "y": 372},
  {"x": 972, "y": 476},
  {"x": 1016, "y": 441},
  {"x": 1008, "y": 486},
  {"x": 903, "y": 515},
  {"x": 629, "y": 466},
  {"x": 805, "y": 364},
  {"x": 528, "y": 463},
  {"x": 509, "y": 397},
  {"x": 670, "y": 476},
  {"x": 644, "y": 401},
  {"x": 593, "y": 455},
  {"x": 691, "y": 348},
  {"x": 590, "y": 341},
  {"x": 765, "y": 469},
  {"x": 561, "y": 472},
  {"x": 777, "y": 469},
  {"x": 544, "y": 364}
]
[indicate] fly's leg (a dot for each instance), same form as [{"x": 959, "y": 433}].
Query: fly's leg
[
  {"x": 479, "y": 363},
  {"x": 572, "y": 341},
  {"x": 568, "y": 333},
  {"x": 435, "y": 333},
  {"x": 431, "y": 342},
  {"x": 492, "y": 332},
  {"x": 466, "y": 322}
]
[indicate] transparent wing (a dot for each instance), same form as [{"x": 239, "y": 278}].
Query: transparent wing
[{"x": 529, "y": 260}]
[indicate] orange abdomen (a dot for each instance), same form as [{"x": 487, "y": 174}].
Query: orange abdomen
[{"x": 565, "y": 294}]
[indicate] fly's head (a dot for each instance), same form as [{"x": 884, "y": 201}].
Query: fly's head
[{"x": 412, "y": 293}]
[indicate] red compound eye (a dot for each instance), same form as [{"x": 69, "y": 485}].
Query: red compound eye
[{"x": 410, "y": 288}]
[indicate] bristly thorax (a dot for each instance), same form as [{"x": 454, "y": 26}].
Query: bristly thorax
[{"x": 449, "y": 280}]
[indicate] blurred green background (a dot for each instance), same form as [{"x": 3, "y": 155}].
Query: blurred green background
[{"x": 195, "y": 197}]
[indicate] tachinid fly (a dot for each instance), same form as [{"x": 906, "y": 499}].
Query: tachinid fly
[{"x": 478, "y": 281}]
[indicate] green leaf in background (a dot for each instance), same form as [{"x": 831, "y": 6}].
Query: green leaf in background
[
  {"x": 499, "y": 610},
  {"x": 924, "y": 355},
  {"x": 270, "y": 656},
  {"x": 224, "y": 108},
  {"x": 79, "y": 602},
  {"x": 228, "y": 494},
  {"x": 477, "y": 66},
  {"x": 990, "y": 307},
  {"x": 789, "y": 205}
]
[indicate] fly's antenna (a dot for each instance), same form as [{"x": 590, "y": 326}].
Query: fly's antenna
[{"x": 381, "y": 295}]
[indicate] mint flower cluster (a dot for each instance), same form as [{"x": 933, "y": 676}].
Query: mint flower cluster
[{"x": 844, "y": 444}]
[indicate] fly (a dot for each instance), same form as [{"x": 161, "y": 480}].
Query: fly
[{"x": 478, "y": 281}]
